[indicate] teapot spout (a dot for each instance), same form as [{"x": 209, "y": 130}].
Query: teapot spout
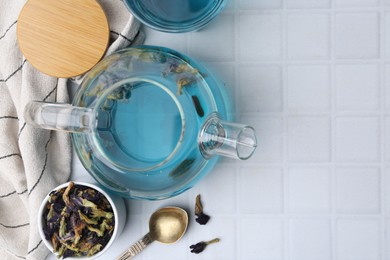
[
  {"x": 56, "y": 116},
  {"x": 218, "y": 137}
]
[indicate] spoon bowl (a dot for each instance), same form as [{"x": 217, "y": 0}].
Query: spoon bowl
[{"x": 166, "y": 225}]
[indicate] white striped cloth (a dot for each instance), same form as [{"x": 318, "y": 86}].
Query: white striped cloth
[{"x": 33, "y": 161}]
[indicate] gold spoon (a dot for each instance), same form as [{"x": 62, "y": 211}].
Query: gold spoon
[{"x": 166, "y": 225}]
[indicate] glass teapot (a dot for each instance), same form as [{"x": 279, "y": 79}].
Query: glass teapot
[{"x": 148, "y": 122}]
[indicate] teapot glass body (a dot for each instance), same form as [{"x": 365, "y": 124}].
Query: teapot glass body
[{"x": 148, "y": 123}]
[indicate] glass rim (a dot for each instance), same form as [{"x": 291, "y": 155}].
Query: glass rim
[{"x": 253, "y": 131}]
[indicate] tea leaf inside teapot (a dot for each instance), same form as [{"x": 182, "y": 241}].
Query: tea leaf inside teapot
[
  {"x": 183, "y": 83},
  {"x": 182, "y": 168}
]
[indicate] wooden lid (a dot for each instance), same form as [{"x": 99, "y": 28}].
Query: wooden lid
[{"x": 63, "y": 38}]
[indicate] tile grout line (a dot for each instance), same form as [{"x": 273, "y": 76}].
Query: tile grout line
[
  {"x": 382, "y": 92},
  {"x": 285, "y": 175},
  {"x": 332, "y": 191}
]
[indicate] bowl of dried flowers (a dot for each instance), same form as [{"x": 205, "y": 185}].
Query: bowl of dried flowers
[{"x": 80, "y": 220}]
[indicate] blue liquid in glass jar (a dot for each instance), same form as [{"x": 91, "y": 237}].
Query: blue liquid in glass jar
[
  {"x": 176, "y": 10},
  {"x": 175, "y": 15}
]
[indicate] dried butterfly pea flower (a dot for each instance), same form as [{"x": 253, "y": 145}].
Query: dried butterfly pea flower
[
  {"x": 56, "y": 196},
  {"x": 51, "y": 212},
  {"x": 86, "y": 219},
  {"x": 201, "y": 217},
  {"x": 199, "y": 247},
  {"x": 94, "y": 249},
  {"x": 54, "y": 241},
  {"x": 61, "y": 251},
  {"x": 182, "y": 168},
  {"x": 62, "y": 227},
  {"x": 78, "y": 225},
  {"x": 183, "y": 82},
  {"x": 90, "y": 195},
  {"x": 198, "y": 106},
  {"x": 85, "y": 246},
  {"x": 100, "y": 230},
  {"x": 79, "y": 221},
  {"x": 65, "y": 195},
  {"x": 96, "y": 212}
]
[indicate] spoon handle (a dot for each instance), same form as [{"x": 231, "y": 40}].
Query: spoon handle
[{"x": 136, "y": 248}]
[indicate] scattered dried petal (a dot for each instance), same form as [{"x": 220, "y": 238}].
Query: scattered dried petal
[
  {"x": 199, "y": 247},
  {"x": 202, "y": 218},
  {"x": 198, "y": 205}
]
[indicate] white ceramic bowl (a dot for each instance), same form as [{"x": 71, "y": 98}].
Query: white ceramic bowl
[{"x": 118, "y": 207}]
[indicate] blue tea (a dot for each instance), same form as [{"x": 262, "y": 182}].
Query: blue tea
[
  {"x": 150, "y": 104},
  {"x": 175, "y": 11},
  {"x": 175, "y": 15}
]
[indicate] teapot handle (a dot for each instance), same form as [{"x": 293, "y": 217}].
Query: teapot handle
[{"x": 57, "y": 116}]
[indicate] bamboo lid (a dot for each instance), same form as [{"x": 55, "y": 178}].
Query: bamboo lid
[{"x": 63, "y": 38}]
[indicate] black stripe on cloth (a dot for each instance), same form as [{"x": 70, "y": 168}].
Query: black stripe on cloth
[
  {"x": 51, "y": 92},
  {"x": 10, "y": 155},
  {"x": 13, "y": 73},
  {"x": 16, "y": 226},
  {"x": 124, "y": 37},
  {"x": 20, "y": 193},
  {"x": 9, "y": 28},
  {"x": 21, "y": 129},
  {"x": 32, "y": 250},
  {"x": 44, "y": 167},
  {"x": 12, "y": 193},
  {"x": 9, "y": 117},
  {"x": 8, "y": 194}
]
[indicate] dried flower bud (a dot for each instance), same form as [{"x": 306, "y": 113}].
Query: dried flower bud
[
  {"x": 199, "y": 247},
  {"x": 201, "y": 217}
]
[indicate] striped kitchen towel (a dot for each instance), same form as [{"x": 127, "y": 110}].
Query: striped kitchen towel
[{"x": 33, "y": 161}]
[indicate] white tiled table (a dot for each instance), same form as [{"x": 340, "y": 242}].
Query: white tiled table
[{"x": 313, "y": 78}]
